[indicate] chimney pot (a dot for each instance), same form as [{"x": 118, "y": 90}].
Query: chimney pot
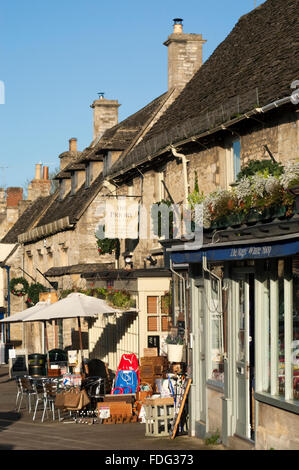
[
  {"x": 45, "y": 173},
  {"x": 177, "y": 25},
  {"x": 73, "y": 144},
  {"x": 38, "y": 171}
]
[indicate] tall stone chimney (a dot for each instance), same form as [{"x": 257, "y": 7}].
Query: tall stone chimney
[
  {"x": 71, "y": 155},
  {"x": 105, "y": 115},
  {"x": 184, "y": 55},
  {"x": 39, "y": 186}
]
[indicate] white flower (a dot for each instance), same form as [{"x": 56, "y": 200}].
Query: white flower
[
  {"x": 244, "y": 189},
  {"x": 291, "y": 173}
]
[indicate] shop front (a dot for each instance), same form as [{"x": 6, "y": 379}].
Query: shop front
[{"x": 245, "y": 336}]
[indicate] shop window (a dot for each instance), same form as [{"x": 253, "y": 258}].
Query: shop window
[
  {"x": 280, "y": 337},
  {"x": 216, "y": 333}
]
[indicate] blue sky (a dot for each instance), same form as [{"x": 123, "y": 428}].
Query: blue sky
[{"x": 56, "y": 55}]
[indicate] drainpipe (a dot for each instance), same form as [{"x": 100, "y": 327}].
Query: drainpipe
[{"x": 185, "y": 174}]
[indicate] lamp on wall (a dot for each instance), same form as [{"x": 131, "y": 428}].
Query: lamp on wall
[
  {"x": 128, "y": 262},
  {"x": 152, "y": 261}
]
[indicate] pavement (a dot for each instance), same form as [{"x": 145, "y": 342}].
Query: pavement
[{"x": 19, "y": 432}]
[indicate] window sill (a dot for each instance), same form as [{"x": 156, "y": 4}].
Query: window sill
[
  {"x": 288, "y": 405},
  {"x": 214, "y": 385}
]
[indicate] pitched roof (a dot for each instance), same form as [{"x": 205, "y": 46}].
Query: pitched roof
[
  {"x": 120, "y": 136},
  {"x": 28, "y": 218},
  {"x": 255, "y": 65},
  {"x": 71, "y": 206}
]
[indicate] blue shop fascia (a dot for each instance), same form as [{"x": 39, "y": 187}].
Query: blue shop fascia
[{"x": 236, "y": 290}]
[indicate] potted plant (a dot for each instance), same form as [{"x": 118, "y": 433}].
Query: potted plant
[{"x": 175, "y": 348}]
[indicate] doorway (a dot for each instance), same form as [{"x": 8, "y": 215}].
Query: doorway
[{"x": 243, "y": 361}]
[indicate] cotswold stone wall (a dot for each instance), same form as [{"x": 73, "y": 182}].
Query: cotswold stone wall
[{"x": 277, "y": 429}]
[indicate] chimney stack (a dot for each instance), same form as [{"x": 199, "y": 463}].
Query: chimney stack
[
  {"x": 184, "y": 55},
  {"x": 13, "y": 196},
  {"x": 73, "y": 144},
  {"x": 105, "y": 115},
  {"x": 39, "y": 186}
]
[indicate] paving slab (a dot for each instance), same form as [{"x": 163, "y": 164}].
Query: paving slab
[{"x": 19, "y": 432}]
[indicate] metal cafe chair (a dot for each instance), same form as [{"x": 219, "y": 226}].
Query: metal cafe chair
[
  {"x": 95, "y": 388},
  {"x": 50, "y": 390},
  {"x": 26, "y": 389},
  {"x": 19, "y": 390},
  {"x": 37, "y": 385}
]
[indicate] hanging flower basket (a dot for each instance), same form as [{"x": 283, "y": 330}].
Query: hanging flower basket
[
  {"x": 18, "y": 286},
  {"x": 107, "y": 245}
]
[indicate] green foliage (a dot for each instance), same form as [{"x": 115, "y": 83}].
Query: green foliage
[
  {"x": 118, "y": 298},
  {"x": 213, "y": 439},
  {"x": 172, "y": 339},
  {"x": 18, "y": 286},
  {"x": 107, "y": 245},
  {"x": 196, "y": 197},
  {"x": 266, "y": 167},
  {"x": 33, "y": 293}
]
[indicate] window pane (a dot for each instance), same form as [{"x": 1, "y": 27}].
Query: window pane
[
  {"x": 281, "y": 365},
  {"x": 295, "y": 345},
  {"x": 237, "y": 157},
  {"x": 152, "y": 305},
  {"x": 241, "y": 348},
  {"x": 152, "y": 323},
  {"x": 216, "y": 334},
  {"x": 166, "y": 323}
]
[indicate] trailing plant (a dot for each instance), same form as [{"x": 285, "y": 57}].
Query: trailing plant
[
  {"x": 18, "y": 286},
  {"x": 256, "y": 166},
  {"x": 166, "y": 302},
  {"x": 33, "y": 293},
  {"x": 196, "y": 197}
]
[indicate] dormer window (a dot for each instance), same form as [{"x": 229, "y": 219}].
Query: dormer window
[
  {"x": 107, "y": 163},
  {"x": 74, "y": 181},
  {"x": 88, "y": 175},
  {"x": 61, "y": 189}
]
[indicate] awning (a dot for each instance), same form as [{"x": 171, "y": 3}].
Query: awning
[{"x": 249, "y": 251}]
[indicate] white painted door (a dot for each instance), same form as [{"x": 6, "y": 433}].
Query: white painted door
[{"x": 242, "y": 360}]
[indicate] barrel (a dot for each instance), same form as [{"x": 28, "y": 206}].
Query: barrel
[{"x": 37, "y": 364}]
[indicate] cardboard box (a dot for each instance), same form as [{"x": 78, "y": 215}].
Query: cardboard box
[
  {"x": 150, "y": 352},
  {"x": 117, "y": 408}
]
